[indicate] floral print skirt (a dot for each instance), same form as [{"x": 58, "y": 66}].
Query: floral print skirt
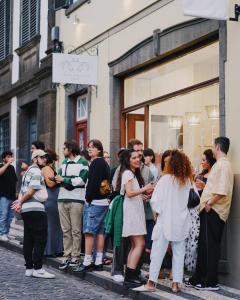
[{"x": 192, "y": 240}]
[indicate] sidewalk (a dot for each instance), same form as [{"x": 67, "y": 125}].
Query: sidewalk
[{"x": 104, "y": 280}]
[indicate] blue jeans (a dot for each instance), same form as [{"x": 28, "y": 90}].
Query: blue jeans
[{"x": 6, "y": 215}]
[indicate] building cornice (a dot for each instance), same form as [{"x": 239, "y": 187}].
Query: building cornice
[
  {"x": 29, "y": 45},
  {"x": 6, "y": 61}
]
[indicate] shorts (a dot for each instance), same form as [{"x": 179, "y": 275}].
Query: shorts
[{"x": 93, "y": 218}]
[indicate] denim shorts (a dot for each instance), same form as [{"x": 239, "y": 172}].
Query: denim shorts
[{"x": 93, "y": 218}]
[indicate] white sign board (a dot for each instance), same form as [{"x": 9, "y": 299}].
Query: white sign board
[
  {"x": 210, "y": 9},
  {"x": 75, "y": 69}
]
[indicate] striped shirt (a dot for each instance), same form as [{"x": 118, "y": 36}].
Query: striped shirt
[
  {"x": 32, "y": 179},
  {"x": 75, "y": 174}
]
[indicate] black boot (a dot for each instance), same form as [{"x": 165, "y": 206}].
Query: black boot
[{"x": 131, "y": 279}]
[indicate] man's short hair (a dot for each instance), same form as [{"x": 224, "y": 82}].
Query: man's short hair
[
  {"x": 72, "y": 147},
  {"x": 223, "y": 142},
  {"x": 133, "y": 142},
  {"x": 6, "y": 153}
]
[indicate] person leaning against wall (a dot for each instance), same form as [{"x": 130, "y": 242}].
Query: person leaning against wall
[{"x": 214, "y": 211}]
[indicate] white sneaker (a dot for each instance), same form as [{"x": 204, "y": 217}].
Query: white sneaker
[
  {"x": 118, "y": 278},
  {"x": 28, "y": 272},
  {"x": 4, "y": 238},
  {"x": 41, "y": 273}
]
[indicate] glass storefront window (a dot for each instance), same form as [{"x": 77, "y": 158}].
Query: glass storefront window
[
  {"x": 188, "y": 122},
  {"x": 188, "y": 70},
  {"x": 176, "y": 104}
]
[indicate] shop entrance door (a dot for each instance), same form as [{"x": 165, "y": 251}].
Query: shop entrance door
[
  {"x": 135, "y": 127},
  {"x": 81, "y": 134}
]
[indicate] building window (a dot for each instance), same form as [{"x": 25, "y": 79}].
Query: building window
[
  {"x": 175, "y": 104},
  {"x": 30, "y": 13},
  {"x": 5, "y": 25},
  {"x": 81, "y": 108},
  {"x": 4, "y": 134},
  {"x": 58, "y": 4}
]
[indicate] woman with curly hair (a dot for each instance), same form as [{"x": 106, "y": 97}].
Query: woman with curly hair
[{"x": 170, "y": 202}]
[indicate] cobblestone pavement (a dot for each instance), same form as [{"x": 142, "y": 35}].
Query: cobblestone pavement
[{"x": 14, "y": 284}]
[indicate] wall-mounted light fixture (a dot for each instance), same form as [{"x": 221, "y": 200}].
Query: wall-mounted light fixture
[
  {"x": 237, "y": 13},
  {"x": 212, "y": 112},
  {"x": 76, "y": 20},
  {"x": 175, "y": 122},
  {"x": 193, "y": 118}
]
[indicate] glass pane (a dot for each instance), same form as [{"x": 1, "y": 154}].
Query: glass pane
[
  {"x": 81, "y": 108},
  {"x": 191, "y": 69},
  {"x": 189, "y": 122}
]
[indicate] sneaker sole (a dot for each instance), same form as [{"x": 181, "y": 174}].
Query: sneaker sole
[
  {"x": 212, "y": 288},
  {"x": 43, "y": 277}
]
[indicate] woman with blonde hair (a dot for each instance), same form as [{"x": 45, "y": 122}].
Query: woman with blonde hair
[{"x": 170, "y": 202}]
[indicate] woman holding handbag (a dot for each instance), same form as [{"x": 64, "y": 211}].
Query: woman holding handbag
[{"x": 170, "y": 202}]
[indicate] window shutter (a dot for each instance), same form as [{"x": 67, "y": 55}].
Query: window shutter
[
  {"x": 30, "y": 20},
  {"x": 4, "y": 134},
  {"x": 5, "y": 18}
]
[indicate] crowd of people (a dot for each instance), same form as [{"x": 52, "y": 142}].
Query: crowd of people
[{"x": 147, "y": 209}]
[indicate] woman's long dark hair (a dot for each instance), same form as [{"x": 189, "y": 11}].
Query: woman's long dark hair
[
  {"x": 125, "y": 165},
  {"x": 209, "y": 158}
]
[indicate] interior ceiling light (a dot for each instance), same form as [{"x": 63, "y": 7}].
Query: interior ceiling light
[
  {"x": 193, "y": 118},
  {"x": 212, "y": 112},
  {"x": 175, "y": 122}
]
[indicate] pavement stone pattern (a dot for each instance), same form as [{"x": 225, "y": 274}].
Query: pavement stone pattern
[
  {"x": 163, "y": 288},
  {"x": 14, "y": 285}
]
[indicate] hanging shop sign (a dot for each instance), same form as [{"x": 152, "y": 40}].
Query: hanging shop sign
[
  {"x": 75, "y": 69},
  {"x": 210, "y": 9}
]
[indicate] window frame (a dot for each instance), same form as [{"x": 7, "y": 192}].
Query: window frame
[{"x": 78, "y": 107}]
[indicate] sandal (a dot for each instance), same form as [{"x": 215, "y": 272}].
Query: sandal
[
  {"x": 144, "y": 288},
  {"x": 175, "y": 287}
]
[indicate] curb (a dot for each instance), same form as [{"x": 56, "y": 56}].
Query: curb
[{"x": 91, "y": 277}]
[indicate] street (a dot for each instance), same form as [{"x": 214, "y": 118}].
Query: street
[{"x": 14, "y": 284}]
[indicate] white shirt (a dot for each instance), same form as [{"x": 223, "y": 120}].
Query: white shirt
[{"x": 169, "y": 201}]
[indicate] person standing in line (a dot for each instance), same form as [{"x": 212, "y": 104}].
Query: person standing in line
[
  {"x": 148, "y": 177},
  {"x": 8, "y": 182},
  {"x": 30, "y": 204},
  {"x": 54, "y": 245},
  {"x": 134, "y": 221},
  {"x": 107, "y": 157},
  {"x": 149, "y": 160},
  {"x": 170, "y": 202},
  {"x": 37, "y": 145},
  {"x": 71, "y": 198},
  {"x": 214, "y": 211},
  {"x": 208, "y": 161},
  {"x": 97, "y": 202}
]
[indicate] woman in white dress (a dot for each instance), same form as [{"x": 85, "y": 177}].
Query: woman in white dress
[
  {"x": 170, "y": 202},
  {"x": 134, "y": 223}
]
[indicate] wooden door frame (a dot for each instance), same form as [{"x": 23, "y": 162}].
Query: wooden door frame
[{"x": 78, "y": 126}]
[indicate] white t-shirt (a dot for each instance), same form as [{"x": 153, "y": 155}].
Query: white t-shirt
[{"x": 169, "y": 201}]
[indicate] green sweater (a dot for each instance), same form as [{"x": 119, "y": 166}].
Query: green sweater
[{"x": 114, "y": 220}]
